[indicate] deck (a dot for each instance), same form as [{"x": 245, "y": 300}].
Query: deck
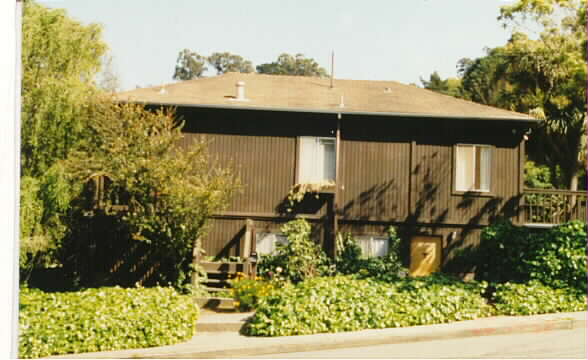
[{"x": 549, "y": 207}]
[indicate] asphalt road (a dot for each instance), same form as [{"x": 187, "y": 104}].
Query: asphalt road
[{"x": 561, "y": 344}]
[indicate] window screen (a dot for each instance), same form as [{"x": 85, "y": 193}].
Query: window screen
[
  {"x": 317, "y": 159},
  {"x": 373, "y": 245},
  {"x": 473, "y": 168}
]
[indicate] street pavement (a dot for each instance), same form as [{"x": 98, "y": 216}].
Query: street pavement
[{"x": 558, "y": 344}]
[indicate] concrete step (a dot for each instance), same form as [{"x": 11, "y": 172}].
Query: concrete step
[
  {"x": 215, "y": 281},
  {"x": 217, "y": 290},
  {"x": 222, "y": 322},
  {"x": 214, "y": 302}
]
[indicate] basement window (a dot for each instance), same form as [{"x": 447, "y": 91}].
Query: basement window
[
  {"x": 373, "y": 246},
  {"x": 266, "y": 242},
  {"x": 317, "y": 159},
  {"x": 473, "y": 164}
]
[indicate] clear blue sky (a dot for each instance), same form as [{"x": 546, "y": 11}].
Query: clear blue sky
[{"x": 373, "y": 39}]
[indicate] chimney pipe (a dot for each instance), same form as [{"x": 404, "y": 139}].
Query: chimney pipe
[{"x": 240, "y": 90}]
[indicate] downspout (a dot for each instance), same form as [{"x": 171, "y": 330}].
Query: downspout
[{"x": 337, "y": 185}]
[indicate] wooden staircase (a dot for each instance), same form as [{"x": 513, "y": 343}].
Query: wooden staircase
[
  {"x": 217, "y": 283},
  {"x": 219, "y": 273}
]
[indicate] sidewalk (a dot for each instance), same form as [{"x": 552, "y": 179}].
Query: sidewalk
[{"x": 218, "y": 337}]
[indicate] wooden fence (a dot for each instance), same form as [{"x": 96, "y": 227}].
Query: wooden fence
[{"x": 543, "y": 206}]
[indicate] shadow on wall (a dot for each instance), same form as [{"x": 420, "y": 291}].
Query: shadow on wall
[
  {"x": 372, "y": 203},
  {"x": 426, "y": 210}
]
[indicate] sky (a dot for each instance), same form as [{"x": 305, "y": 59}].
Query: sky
[{"x": 402, "y": 40}]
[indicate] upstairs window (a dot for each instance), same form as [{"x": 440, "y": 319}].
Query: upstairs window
[
  {"x": 372, "y": 246},
  {"x": 317, "y": 159},
  {"x": 473, "y": 164}
]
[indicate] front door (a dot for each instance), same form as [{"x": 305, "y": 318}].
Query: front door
[{"x": 425, "y": 255}]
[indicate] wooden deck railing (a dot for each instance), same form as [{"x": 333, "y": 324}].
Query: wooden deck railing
[{"x": 543, "y": 206}]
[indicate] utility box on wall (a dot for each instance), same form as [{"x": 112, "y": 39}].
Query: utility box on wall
[{"x": 425, "y": 254}]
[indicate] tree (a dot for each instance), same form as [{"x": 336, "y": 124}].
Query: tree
[
  {"x": 170, "y": 191},
  {"x": 287, "y": 64},
  {"x": 60, "y": 59},
  {"x": 449, "y": 86},
  {"x": 545, "y": 77},
  {"x": 549, "y": 79},
  {"x": 189, "y": 65},
  {"x": 227, "y": 62},
  {"x": 483, "y": 79}
]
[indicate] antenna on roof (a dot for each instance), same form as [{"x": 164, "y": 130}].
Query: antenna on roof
[{"x": 332, "y": 66}]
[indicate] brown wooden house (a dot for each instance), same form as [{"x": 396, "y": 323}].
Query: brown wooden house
[{"x": 437, "y": 167}]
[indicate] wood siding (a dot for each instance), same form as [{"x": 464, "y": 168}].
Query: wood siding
[
  {"x": 264, "y": 164},
  {"x": 374, "y": 177},
  {"x": 391, "y": 171}
]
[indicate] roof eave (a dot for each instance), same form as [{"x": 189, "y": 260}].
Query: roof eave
[{"x": 341, "y": 111}]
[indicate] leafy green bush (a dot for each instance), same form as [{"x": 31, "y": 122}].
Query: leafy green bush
[
  {"x": 248, "y": 293},
  {"x": 103, "y": 319},
  {"x": 267, "y": 265},
  {"x": 341, "y": 303},
  {"x": 170, "y": 192},
  {"x": 556, "y": 257},
  {"x": 559, "y": 257},
  {"x": 44, "y": 201},
  {"x": 536, "y": 298},
  {"x": 300, "y": 259},
  {"x": 537, "y": 176},
  {"x": 351, "y": 261},
  {"x": 499, "y": 257}
]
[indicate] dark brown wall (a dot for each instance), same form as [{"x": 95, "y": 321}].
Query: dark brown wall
[
  {"x": 433, "y": 199},
  {"x": 392, "y": 170},
  {"x": 374, "y": 176}
]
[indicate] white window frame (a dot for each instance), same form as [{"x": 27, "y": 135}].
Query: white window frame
[
  {"x": 371, "y": 249},
  {"x": 479, "y": 170},
  {"x": 311, "y": 162},
  {"x": 274, "y": 238}
]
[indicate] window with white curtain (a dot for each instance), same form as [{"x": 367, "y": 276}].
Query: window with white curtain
[
  {"x": 473, "y": 167},
  {"x": 317, "y": 159},
  {"x": 266, "y": 242},
  {"x": 372, "y": 246}
]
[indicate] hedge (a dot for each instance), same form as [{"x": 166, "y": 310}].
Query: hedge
[
  {"x": 555, "y": 257},
  {"x": 103, "y": 319},
  {"x": 342, "y": 303},
  {"x": 535, "y": 298}
]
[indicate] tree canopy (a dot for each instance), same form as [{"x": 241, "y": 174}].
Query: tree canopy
[
  {"x": 543, "y": 75},
  {"x": 226, "y": 62},
  {"x": 549, "y": 79},
  {"x": 72, "y": 133},
  {"x": 483, "y": 79},
  {"x": 189, "y": 65},
  {"x": 60, "y": 59},
  {"x": 297, "y": 65},
  {"x": 449, "y": 86}
]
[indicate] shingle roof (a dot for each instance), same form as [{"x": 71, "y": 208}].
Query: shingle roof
[{"x": 297, "y": 93}]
